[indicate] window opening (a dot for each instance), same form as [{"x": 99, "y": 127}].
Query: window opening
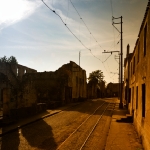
[
  {"x": 137, "y": 97},
  {"x": 145, "y": 39},
  {"x": 138, "y": 52},
  {"x": 143, "y": 100},
  {"x": 17, "y": 71}
]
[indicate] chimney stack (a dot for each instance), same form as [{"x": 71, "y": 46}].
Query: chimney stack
[{"x": 128, "y": 50}]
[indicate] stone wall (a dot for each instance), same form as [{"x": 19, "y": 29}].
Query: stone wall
[
  {"x": 46, "y": 86},
  {"x": 11, "y": 82},
  {"x": 139, "y": 82},
  {"x": 112, "y": 89},
  {"x": 65, "y": 85},
  {"x": 28, "y": 88},
  {"x": 79, "y": 84}
]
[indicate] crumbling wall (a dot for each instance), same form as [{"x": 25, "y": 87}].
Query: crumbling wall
[
  {"x": 47, "y": 86},
  {"x": 79, "y": 84},
  {"x": 10, "y": 82}
]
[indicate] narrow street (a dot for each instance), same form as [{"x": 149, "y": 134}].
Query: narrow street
[{"x": 84, "y": 126}]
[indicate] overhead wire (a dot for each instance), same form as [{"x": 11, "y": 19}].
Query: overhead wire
[
  {"x": 90, "y": 36},
  {"x": 67, "y": 12},
  {"x": 66, "y": 25},
  {"x": 70, "y": 30},
  {"x": 114, "y": 27},
  {"x": 75, "y": 35},
  {"x": 85, "y": 24},
  {"x": 111, "y": 8},
  {"x": 107, "y": 58},
  {"x": 114, "y": 44},
  {"x": 107, "y": 64}
]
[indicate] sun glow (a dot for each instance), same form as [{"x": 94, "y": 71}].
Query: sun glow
[{"x": 15, "y": 10}]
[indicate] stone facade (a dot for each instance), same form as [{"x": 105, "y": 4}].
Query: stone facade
[
  {"x": 137, "y": 85},
  {"x": 112, "y": 89},
  {"x": 25, "y": 90},
  {"x": 96, "y": 90},
  {"x": 11, "y": 91},
  {"x": 126, "y": 89},
  {"x": 65, "y": 85}
]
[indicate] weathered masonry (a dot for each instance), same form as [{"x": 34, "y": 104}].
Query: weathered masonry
[
  {"x": 11, "y": 92},
  {"x": 95, "y": 90},
  {"x": 25, "y": 91},
  {"x": 65, "y": 85},
  {"x": 112, "y": 89},
  {"x": 137, "y": 81}
]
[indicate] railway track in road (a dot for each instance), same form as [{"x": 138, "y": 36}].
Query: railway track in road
[{"x": 79, "y": 137}]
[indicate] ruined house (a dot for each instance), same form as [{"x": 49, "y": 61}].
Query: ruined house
[
  {"x": 137, "y": 85},
  {"x": 11, "y": 91},
  {"x": 96, "y": 90},
  {"x": 65, "y": 85},
  {"x": 112, "y": 89},
  {"x": 24, "y": 91}
]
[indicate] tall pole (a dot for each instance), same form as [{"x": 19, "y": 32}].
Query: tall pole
[
  {"x": 121, "y": 64},
  {"x": 79, "y": 59},
  {"x": 121, "y": 104},
  {"x": 79, "y": 75},
  {"x": 119, "y": 77}
]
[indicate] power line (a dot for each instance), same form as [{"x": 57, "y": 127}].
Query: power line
[
  {"x": 107, "y": 65},
  {"x": 111, "y": 47},
  {"x": 85, "y": 24},
  {"x": 66, "y": 25},
  {"x": 111, "y": 7},
  {"x": 75, "y": 35},
  {"x": 70, "y": 30},
  {"x": 107, "y": 58},
  {"x": 92, "y": 36}
]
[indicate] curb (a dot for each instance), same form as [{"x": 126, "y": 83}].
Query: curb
[{"x": 19, "y": 127}]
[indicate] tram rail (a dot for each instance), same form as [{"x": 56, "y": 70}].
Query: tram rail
[{"x": 82, "y": 124}]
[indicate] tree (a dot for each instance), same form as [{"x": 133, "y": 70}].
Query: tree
[
  {"x": 96, "y": 77},
  {"x": 3, "y": 59},
  {"x": 11, "y": 60}
]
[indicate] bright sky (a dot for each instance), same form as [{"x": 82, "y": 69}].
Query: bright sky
[{"x": 39, "y": 40}]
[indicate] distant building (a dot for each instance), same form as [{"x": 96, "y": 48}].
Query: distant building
[
  {"x": 137, "y": 81},
  {"x": 112, "y": 89},
  {"x": 95, "y": 90}
]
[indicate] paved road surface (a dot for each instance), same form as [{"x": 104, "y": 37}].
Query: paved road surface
[{"x": 56, "y": 132}]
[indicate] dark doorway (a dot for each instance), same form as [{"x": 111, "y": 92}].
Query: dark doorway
[
  {"x": 143, "y": 100},
  {"x": 68, "y": 94},
  {"x": 137, "y": 97},
  {"x": 129, "y": 95},
  {"x": 126, "y": 93}
]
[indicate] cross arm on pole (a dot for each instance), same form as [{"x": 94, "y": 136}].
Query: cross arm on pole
[
  {"x": 109, "y": 51},
  {"x": 116, "y": 18}
]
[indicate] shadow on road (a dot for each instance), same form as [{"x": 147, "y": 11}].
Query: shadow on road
[
  {"x": 89, "y": 106},
  {"x": 38, "y": 135},
  {"x": 10, "y": 141}
]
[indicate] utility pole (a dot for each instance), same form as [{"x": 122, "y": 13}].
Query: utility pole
[
  {"x": 79, "y": 74},
  {"x": 121, "y": 53},
  {"x": 119, "y": 76},
  {"x": 111, "y": 53},
  {"x": 79, "y": 58}
]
